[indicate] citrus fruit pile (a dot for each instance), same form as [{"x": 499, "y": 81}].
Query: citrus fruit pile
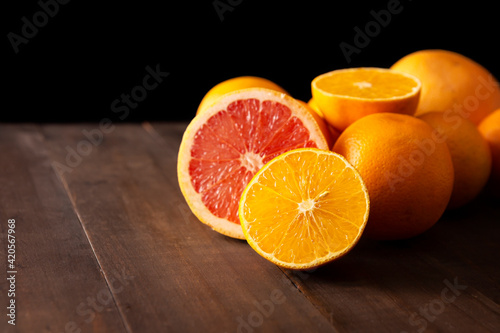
[{"x": 381, "y": 152}]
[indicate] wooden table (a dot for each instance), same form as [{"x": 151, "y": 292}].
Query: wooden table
[{"x": 106, "y": 243}]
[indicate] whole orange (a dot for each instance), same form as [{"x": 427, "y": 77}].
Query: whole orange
[
  {"x": 407, "y": 170},
  {"x": 323, "y": 125},
  {"x": 233, "y": 84},
  {"x": 452, "y": 82},
  {"x": 490, "y": 129},
  {"x": 335, "y": 133},
  {"x": 469, "y": 152}
]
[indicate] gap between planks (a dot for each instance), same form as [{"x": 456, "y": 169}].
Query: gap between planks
[{"x": 106, "y": 279}]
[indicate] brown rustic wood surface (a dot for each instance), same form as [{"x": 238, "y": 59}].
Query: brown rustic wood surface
[{"x": 109, "y": 245}]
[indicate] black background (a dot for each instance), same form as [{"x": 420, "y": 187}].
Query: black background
[{"x": 90, "y": 53}]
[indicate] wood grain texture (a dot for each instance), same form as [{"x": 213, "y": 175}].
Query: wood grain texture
[
  {"x": 106, "y": 240},
  {"x": 186, "y": 277},
  {"x": 57, "y": 272},
  {"x": 445, "y": 280},
  {"x": 404, "y": 286}
]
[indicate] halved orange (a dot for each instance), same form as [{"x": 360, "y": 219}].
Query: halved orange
[
  {"x": 226, "y": 144},
  {"x": 304, "y": 208},
  {"x": 347, "y": 95}
]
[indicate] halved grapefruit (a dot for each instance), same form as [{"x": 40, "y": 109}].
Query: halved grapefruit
[{"x": 223, "y": 147}]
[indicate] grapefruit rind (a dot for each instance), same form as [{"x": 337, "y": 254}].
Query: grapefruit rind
[{"x": 193, "y": 198}]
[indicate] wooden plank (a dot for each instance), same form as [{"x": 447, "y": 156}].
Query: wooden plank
[
  {"x": 472, "y": 234},
  {"x": 445, "y": 280},
  {"x": 186, "y": 277},
  {"x": 57, "y": 272},
  {"x": 398, "y": 286}
]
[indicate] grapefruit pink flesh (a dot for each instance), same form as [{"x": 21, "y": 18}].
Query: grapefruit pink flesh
[{"x": 234, "y": 144}]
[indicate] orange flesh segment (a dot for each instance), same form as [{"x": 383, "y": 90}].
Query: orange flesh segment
[
  {"x": 302, "y": 210},
  {"x": 367, "y": 84},
  {"x": 234, "y": 144}
]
